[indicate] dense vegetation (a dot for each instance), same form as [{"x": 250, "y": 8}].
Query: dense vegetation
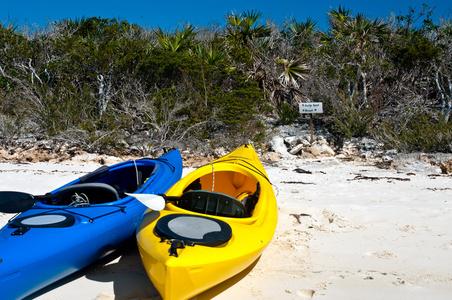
[{"x": 106, "y": 84}]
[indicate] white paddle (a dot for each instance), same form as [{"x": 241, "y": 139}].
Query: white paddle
[{"x": 154, "y": 202}]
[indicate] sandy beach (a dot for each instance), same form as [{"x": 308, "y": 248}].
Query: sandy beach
[{"x": 345, "y": 231}]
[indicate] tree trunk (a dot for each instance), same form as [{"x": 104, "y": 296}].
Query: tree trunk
[
  {"x": 363, "y": 75},
  {"x": 446, "y": 100},
  {"x": 104, "y": 92},
  {"x": 449, "y": 100}
]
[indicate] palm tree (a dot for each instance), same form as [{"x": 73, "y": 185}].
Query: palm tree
[
  {"x": 357, "y": 30},
  {"x": 361, "y": 30},
  {"x": 339, "y": 16},
  {"x": 178, "y": 41},
  {"x": 293, "y": 70},
  {"x": 210, "y": 55},
  {"x": 244, "y": 27},
  {"x": 300, "y": 32},
  {"x": 295, "y": 28},
  {"x": 359, "y": 33},
  {"x": 351, "y": 38}
]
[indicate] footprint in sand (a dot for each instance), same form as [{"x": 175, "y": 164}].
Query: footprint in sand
[
  {"x": 382, "y": 254},
  {"x": 305, "y": 294},
  {"x": 408, "y": 228},
  {"x": 447, "y": 246}
]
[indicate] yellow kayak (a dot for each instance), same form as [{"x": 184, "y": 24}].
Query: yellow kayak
[{"x": 217, "y": 221}]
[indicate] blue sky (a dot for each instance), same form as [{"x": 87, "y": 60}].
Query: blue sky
[{"x": 170, "y": 13}]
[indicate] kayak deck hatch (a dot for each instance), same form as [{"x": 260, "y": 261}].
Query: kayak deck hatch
[{"x": 180, "y": 230}]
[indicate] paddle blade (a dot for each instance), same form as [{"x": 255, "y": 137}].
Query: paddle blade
[
  {"x": 154, "y": 202},
  {"x": 15, "y": 202}
]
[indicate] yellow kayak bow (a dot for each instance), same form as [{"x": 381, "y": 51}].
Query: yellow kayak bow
[{"x": 219, "y": 220}]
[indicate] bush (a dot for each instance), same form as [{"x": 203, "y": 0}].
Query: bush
[
  {"x": 287, "y": 115},
  {"x": 418, "y": 130},
  {"x": 64, "y": 108},
  {"x": 351, "y": 120},
  {"x": 11, "y": 127}
]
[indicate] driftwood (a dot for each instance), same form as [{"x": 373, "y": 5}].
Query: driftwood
[
  {"x": 296, "y": 182},
  {"x": 362, "y": 177}
]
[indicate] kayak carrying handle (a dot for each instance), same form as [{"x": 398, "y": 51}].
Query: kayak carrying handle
[{"x": 177, "y": 244}]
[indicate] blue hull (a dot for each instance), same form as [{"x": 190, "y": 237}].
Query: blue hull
[{"x": 34, "y": 256}]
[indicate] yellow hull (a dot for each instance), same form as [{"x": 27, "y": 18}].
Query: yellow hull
[{"x": 198, "y": 268}]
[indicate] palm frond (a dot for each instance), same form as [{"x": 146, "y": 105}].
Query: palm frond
[
  {"x": 293, "y": 71},
  {"x": 176, "y": 41}
]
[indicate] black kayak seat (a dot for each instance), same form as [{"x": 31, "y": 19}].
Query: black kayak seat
[
  {"x": 96, "y": 193},
  {"x": 182, "y": 230},
  {"x": 212, "y": 203}
]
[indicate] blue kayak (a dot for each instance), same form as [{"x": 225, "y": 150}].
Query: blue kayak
[{"x": 78, "y": 223}]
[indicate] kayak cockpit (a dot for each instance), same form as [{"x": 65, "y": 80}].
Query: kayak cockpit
[
  {"x": 103, "y": 185},
  {"x": 85, "y": 194},
  {"x": 212, "y": 203},
  {"x": 224, "y": 193}
]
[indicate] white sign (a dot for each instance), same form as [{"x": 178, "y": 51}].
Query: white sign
[{"x": 311, "y": 108}]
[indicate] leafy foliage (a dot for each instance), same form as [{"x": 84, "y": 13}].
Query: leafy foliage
[
  {"x": 299, "y": 33},
  {"x": 287, "y": 115},
  {"x": 416, "y": 52},
  {"x": 102, "y": 83},
  {"x": 418, "y": 130},
  {"x": 178, "y": 41},
  {"x": 352, "y": 120},
  {"x": 244, "y": 27}
]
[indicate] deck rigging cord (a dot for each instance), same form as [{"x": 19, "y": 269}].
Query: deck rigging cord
[
  {"x": 165, "y": 161},
  {"x": 248, "y": 165},
  {"x": 69, "y": 209},
  {"x": 213, "y": 176},
  {"x": 79, "y": 200}
]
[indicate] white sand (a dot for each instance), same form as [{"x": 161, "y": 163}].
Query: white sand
[{"x": 345, "y": 231}]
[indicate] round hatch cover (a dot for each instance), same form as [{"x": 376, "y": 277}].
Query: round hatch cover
[
  {"x": 194, "y": 229},
  {"x": 44, "y": 220}
]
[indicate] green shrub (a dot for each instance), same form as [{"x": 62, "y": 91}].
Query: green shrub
[
  {"x": 11, "y": 127},
  {"x": 65, "y": 108},
  {"x": 417, "y": 130},
  {"x": 351, "y": 120},
  {"x": 287, "y": 115}
]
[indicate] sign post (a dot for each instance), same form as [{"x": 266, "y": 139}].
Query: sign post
[{"x": 311, "y": 108}]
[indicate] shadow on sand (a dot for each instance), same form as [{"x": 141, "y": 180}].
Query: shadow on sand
[
  {"x": 129, "y": 278},
  {"x": 220, "y": 288},
  {"x": 127, "y": 274}
]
